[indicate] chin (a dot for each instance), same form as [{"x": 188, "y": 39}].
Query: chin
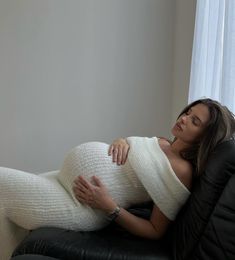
[{"x": 174, "y": 132}]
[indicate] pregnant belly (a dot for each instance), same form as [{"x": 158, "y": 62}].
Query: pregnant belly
[{"x": 91, "y": 159}]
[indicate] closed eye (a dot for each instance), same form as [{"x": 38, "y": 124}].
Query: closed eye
[{"x": 195, "y": 121}]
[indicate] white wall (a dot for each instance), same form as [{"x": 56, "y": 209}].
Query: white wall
[
  {"x": 81, "y": 70},
  {"x": 184, "y": 29}
]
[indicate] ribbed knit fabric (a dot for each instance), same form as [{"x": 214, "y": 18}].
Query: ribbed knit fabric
[
  {"x": 30, "y": 201},
  {"x": 154, "y": 170},
  {"x": 10, "y": 236},
  {"x": 91, "y": 159}
]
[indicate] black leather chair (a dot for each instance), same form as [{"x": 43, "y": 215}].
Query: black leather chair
[
  {"x": 204, "y": 228},
  {"x": 33, "y": 257}
]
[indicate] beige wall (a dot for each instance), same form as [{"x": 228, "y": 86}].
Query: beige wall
[
  {"x": 184, "y": 29},
  {"x": 82, "y": 70}
]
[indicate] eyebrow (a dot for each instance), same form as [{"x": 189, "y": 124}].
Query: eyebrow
[{"x": 196, "y": 116}]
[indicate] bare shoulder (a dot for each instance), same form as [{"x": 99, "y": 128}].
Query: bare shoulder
[
  {"x": 184, "y": 171},
  {"x": 182, "y": 168}
]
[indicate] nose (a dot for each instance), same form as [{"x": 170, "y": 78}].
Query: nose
[{"x": 184, "y": 119}]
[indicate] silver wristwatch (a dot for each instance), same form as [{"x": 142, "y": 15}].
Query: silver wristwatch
[{"x": 114, "y": 214}]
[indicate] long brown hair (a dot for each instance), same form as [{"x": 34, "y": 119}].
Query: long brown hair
[{"x": 220, "y": 127}]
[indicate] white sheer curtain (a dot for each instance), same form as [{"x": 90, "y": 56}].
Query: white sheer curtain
[{"x": 213, "y": 57}]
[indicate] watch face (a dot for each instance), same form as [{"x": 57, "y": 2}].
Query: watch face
[{"x": 113, "y": 215}]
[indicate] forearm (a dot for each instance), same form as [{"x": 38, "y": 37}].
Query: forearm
[{"x": 136, "y": 225}]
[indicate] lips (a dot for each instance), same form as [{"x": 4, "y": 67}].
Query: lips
[{"x": 179, "y": 126}]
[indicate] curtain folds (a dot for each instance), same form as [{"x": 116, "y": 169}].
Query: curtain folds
[{"x": 213, "y": 57}]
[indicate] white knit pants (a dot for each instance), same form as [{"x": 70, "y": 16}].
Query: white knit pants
[
  {"x": 28, "y": 201},
  {"x": 10, "y": 236}
]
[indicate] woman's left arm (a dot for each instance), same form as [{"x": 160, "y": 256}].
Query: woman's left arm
[{"x": 96, "y": 195}]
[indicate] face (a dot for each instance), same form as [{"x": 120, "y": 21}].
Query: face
[{"x": 190, "y": 126}]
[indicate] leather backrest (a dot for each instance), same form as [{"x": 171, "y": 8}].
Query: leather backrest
[{"x": 205, "y": 227}]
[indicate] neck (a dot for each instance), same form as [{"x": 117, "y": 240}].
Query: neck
[{"x": 178, "y": 145}]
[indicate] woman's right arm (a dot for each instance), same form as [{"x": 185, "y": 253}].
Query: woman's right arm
[
  {"x": 119, "y": 150},
  {"x": 154, "y": 228},
  {"x": 95, "y": 195}
]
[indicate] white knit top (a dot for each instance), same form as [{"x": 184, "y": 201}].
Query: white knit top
[
  {"x": 156, "y": 174},
  {"x": 29, "y": 201}
]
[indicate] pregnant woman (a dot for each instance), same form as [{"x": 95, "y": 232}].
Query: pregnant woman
[{"x": 97, "y": 182}]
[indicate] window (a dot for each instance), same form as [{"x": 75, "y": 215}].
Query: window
[{"x": 213, "y": 57}]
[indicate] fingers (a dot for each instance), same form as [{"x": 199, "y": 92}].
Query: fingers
[
  {"x": 82, "y": 181},
  {"x": 79, "y": 194},
  {"x": 94, "y": 193},
  {"x": 125, "y": 154},
  {"x": 113, "y": 150},
  {"x": 81, "y": 186},
  {"x": 119, "y": 156},
  {"x": 111, "y": 147},
  {"x": 84, "y": 199},
  {"x": 80, "y": 190},
  {"x": 117, "y": 153},
  {"x": 83, "y": 191},
  {"x": 97, "y": 181}
]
